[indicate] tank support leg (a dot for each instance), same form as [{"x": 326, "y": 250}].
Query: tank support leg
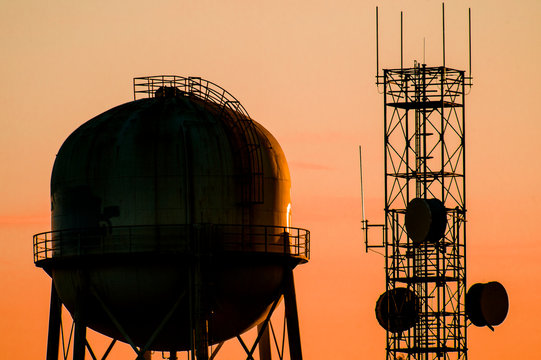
[
  {"x": 158, "y": 330},
  {"x": 111, "y": 345},
  {"x": 79, "y": 340},
  {"x": 201, "y": 334},
  {"x": 55, "y": 318},
  {"x": 262, "y": 336},
  {"x": 198, "y": 321},
  {"x": 115, "y": 321},
  {"x": 142, "y": 353},
  {"x": 264, "y": 343},
  {"x": 216, "y": 349},
  {"x": 292, "y": 317},
  {"x": 200, "y": 301}
]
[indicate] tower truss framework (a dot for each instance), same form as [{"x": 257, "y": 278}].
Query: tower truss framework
[{"x": 425, "y": 158}]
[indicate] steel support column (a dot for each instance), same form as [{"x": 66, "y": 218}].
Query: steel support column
[
  {"x": 55, "y": 319},
  {"x": 292, "y": 317},
  {"x": 264, "y": 342},
  {"x": 200, "y": 302},
  {"x": 79, "y": 340}
]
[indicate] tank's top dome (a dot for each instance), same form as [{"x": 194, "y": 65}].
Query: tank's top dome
[{"x": 171, "y": 159}]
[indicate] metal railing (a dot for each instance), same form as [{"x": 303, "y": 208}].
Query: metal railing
[
  {"x": 176, "y": 239},
  {"x": 147, "y": 86}
]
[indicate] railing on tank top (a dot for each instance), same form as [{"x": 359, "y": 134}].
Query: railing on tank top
[
  {"x": 173, "y": 239},
  {"x": 231, "y": 109}
]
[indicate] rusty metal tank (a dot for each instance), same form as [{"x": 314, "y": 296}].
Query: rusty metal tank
[{"x": 168, "y": 209}]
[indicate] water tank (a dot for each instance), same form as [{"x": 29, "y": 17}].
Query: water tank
[{"x": 172, "y": 207}]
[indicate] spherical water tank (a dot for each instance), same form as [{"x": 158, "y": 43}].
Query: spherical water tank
[{"x": 165, "y": 201}]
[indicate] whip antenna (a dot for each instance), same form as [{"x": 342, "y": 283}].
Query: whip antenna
[{"x": 362, "y": 189}]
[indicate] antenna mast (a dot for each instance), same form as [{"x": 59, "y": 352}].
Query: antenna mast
[
  {"x": 377, "y": 47},
  {"x": 401, "y": 42},
  {"x": 443, "y": 30},
  {"x": 423, "y": 307},
  {"x": 469, "y": 48},
  {"x": 362, "y": 189}
]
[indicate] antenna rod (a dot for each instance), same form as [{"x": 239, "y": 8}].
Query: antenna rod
[
  {"x": 424, "y": 50},
  {"x": 362, "y": 189},
  {"x": 469, "y": 39},
  {"x": 377, "y": 47},
  {"x": 443, "y": 25},
  {"x": 401, "y": 44}
]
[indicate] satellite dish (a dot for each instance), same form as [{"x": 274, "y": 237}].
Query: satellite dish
[
  {"x": 487, "y": 304},
  {"x": 426, "y": 220},
  {"x": 397, "y": 309}
]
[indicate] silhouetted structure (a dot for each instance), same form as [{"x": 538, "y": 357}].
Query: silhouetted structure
[
  {"x": 171, "y": 226},
  {"x": 425, "y": 240},
  {"x": 425, "y": 218},
  {"x": 425, "y": 308}
]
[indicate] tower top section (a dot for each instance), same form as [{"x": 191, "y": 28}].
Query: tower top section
[{"x": 379, "y": 77}]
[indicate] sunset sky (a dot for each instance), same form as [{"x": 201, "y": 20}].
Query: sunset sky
[{"x": 305, "y": 70}]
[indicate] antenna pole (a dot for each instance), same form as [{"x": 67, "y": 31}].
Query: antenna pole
[
  {"x": 424, "y": 50},
  {"x": 377, "y": 47},
  {"x": 401, "y": 43},
  {"x": 362, "y": 188},
  {"x": 443, "y": 28},
  {"x": 364, "y": 222},
  {"x": 469, "y": 40}
]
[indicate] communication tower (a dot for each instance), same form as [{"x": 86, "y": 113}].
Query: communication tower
[
  {"x": 424, "y": 308},
  {"x": 171, "y": 228}
]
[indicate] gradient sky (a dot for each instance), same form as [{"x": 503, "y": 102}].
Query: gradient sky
[{"x": 305, "y": 70}]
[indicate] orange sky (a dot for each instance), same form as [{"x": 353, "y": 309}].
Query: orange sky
[{"x": 305, "y": 70}]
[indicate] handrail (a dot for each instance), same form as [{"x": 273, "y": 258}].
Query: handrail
[
  {"x": 211, "y": 238},
  {"x": 201, "y": 88}
]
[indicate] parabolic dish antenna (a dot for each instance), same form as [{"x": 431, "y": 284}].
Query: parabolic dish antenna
[
  {"x": 397, "y": 309},
  {"x": 487, "y": 304},
  {"x": 426, "y": 220}
]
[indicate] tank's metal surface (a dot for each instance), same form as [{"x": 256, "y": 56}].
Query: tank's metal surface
[{"x": 170, "y": 209}]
